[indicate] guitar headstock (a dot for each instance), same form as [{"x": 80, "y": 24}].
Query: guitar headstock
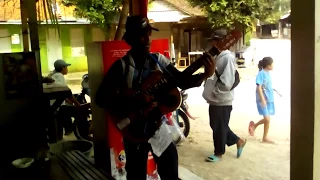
[
  {"x": 229, "y": 40},
  {"x": 225, "y": 43}
]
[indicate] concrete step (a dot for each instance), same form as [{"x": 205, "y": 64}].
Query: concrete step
[{"x": 185, "y": 174}]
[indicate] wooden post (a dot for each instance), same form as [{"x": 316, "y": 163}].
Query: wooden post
[
  {"x": 34, "y": 36},
  {"x": 33, "y": 25},
  {"x": 25, "y": 32},
  {"x": 305, "y": 88},
  {"x": 171, "y": 42}
]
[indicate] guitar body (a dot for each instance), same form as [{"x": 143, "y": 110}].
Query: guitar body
[
  {"x": 167, "y": 96},
  {"x": 168, "y": 99}
]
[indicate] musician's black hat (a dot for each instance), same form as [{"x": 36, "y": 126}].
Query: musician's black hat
[
  {"x": 217, "y": 34},
  {"x": 136, "y": 25}
]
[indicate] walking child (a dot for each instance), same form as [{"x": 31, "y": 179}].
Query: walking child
[{"x": 264, "y": 98}]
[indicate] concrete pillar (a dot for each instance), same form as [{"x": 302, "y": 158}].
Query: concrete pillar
[{"x": 305, "y": 90}]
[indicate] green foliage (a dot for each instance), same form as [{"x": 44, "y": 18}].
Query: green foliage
[
  {"x": 248, "y": 37},
  {"x": 234, "y": 13},
  {"x": 99, "y": 12},
  {"x": 280, "y": 8}
]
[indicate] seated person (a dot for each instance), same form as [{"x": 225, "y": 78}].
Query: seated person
[{"x": 68, "y": 108}]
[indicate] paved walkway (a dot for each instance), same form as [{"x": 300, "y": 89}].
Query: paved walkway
[{"x": 75, "y": 75}]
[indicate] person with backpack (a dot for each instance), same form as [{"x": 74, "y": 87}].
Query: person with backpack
[
  {"x": 139, "y": 135},
  {"x": 219, "y": 94},
  {"x": 264, "y": 98}
]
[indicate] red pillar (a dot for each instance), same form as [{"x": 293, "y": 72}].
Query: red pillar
[
  {"x": 144, "y": 7},
  {"x": 139, "y": 7}
]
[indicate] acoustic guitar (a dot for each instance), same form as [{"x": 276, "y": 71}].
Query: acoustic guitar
[{"x": 163, "y": 88}]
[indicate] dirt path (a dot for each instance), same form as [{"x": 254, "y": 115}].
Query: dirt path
[{"x": 259, "y": 161}]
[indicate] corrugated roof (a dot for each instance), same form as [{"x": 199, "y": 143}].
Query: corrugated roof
[
  {"x": 10, "y": 10},
  {"x": 175, "y": 10},
  {"x": 185, "y": 6},
  {"x": 160, "y": 6},
  {"x": 285, "y": 16},
  {"x": 168, "y": 16},
  {"x": 162, "y": 11}
]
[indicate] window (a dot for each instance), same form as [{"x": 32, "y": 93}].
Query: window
[{"x": 77, "y": 42}]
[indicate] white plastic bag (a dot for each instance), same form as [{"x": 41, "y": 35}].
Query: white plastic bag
[
  {"x": 160, "y": 140},
  {"x": 175, "y": 130}
]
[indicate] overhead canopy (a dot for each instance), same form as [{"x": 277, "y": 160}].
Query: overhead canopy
[{"x": 286, "y": 18}]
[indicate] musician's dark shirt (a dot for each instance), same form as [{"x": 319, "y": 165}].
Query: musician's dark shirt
[{"x": 110, "y": 93}]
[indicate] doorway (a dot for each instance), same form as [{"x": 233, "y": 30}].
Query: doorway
[{"x": 54, "y": 48}]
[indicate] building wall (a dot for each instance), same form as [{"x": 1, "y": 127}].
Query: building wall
[
  {"x": 70, "y": 44},
  {"x": 163, "y": 33},
  {"x": 181, "y": 42},
  {"x": 181, "y": 37}
]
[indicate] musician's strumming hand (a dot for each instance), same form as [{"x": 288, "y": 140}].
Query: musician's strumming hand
[
  {"x": 149, "y": 104},
  {"x": 209, "y": 65},
  {"x": 147, "y": 98}
]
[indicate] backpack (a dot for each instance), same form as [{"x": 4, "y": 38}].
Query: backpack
[
  {"x": 236, "y": 79},
  {"x": 128, "y": 69}
]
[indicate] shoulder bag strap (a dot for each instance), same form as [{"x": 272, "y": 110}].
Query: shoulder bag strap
[{"x": 154, "y": 57}]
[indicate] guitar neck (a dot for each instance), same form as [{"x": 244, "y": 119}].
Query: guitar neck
[
  {"x": 225, "y": 43},
  {"x": 199, "y": 62}
]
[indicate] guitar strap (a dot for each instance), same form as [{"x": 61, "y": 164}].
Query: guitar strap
[
  {"x": 125, "y": 69},
  {"x": 154, "y": 57},
  {"x": 128, "y": 70}
]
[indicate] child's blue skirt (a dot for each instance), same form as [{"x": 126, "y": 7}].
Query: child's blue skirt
[{"x": 266, "y": 111}]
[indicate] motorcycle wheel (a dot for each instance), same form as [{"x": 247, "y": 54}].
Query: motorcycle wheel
[
  {"x": 183, "y": 122},
  {"x": 82, "y": 129}
]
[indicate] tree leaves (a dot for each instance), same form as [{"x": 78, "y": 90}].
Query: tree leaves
[
  {"x": 231, "y": 13},
  {"x": 99, "y": 12}
]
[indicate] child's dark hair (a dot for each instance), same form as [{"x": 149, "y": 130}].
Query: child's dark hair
[
  {"x": 59, "y": 69},
  {"x": 266, "y": 61}
]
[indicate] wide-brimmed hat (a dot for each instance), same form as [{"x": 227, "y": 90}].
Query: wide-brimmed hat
[{"x": 136, "y": 25}]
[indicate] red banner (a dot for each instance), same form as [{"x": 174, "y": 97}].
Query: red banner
[
  {"x": 112, "y": 51},
  {"x": 159, "y": 45},
  {"x": 143, "y": 7}
]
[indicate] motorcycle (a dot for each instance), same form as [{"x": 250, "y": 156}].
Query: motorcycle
[
  {"x": 82, "y": 124},
  {"x": 178, "y": 121},
  {"x": 183, "y": 115}
]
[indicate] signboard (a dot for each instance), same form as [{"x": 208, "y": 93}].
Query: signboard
[
  {"x": 112, "y": 51},
  {"x": 160, "y": 45},
  {"x": 20, "y": 75},
  {"x": 15, "y": 39}
]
